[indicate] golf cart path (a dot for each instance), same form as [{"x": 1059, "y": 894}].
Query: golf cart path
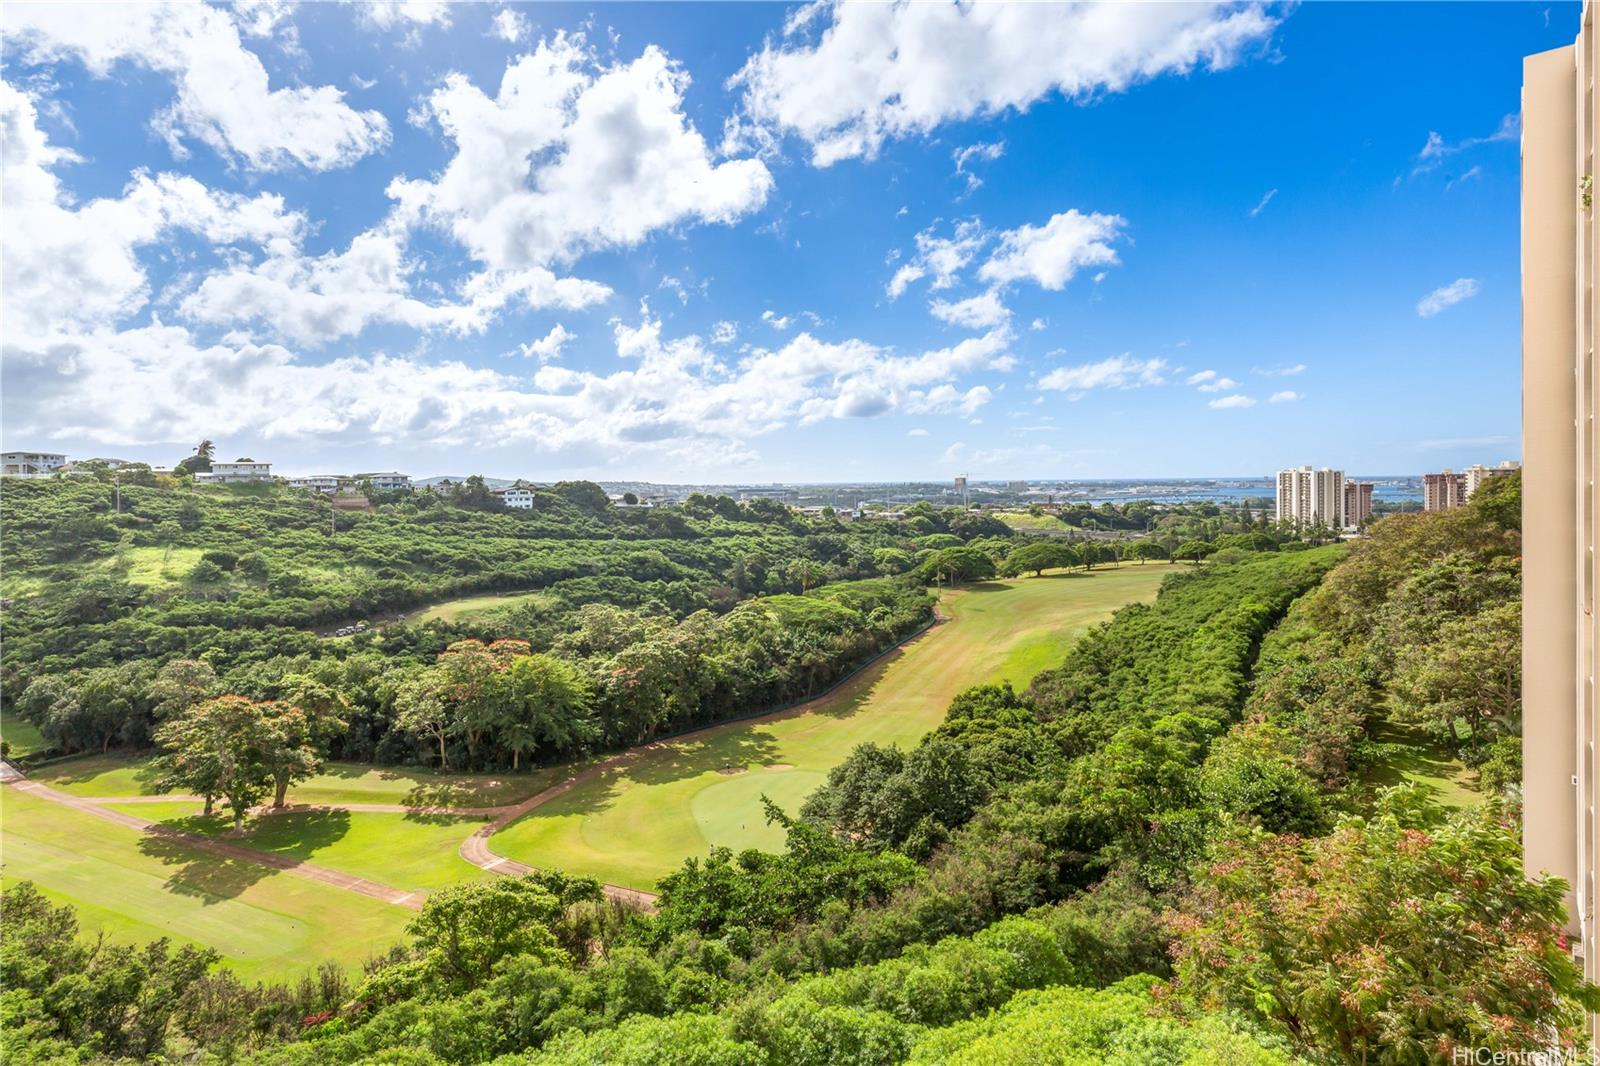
[
  {"x": 295, "y": 867},
  {"x": 294, "y": 808}
]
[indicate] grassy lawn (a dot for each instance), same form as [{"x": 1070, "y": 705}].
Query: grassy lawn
[
  {"x": 470, "y": 606},
  {"x": 267, "y": 925},
  {"x": 154, "y": 567},
  {"x": 400, "y": 850},
  {"x": 641, "y": 819},
  {"x": 1024, "y": 520},
  {"x": 22, "y": 736},
  {"x": 120, "y": 775},
  {"x": 1411, "y": 757}
]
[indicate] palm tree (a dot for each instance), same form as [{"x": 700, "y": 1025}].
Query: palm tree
[{"x": 205, "y": 449}]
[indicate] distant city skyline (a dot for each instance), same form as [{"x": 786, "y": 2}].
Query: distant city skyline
[{"x": 692, "y": 244}]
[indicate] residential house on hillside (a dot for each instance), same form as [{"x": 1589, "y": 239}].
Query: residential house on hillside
[
  {"x": 240, "y": 470},
  {"x": 387, "y": 481},
  {"x": 31, "y": 464},
  {"x": 516, "y": 498},
  {"x": 327, "y": 484}
]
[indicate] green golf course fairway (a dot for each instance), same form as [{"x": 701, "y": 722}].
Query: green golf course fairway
[
  {"x": 637, "y": 819},
  {"x": 266, "y": 924},
  {"x": 406, "y": 851},
  {"x": 100, "y": 776}
]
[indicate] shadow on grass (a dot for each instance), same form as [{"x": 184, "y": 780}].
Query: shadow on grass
[
  {"x": 1402, "y": 756},
  {"x": 353, "y": 771},
  {"x": 81, "y": 770},
  {"x": 212, "y": 875},
  {"x": 444, "y": 791},
  {"x": 294, "y": 835},
  {"x": 202, "y": 875}
]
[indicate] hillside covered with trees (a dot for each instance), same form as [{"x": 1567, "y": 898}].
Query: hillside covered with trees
[
  {"x": 1175, "y": 846},
  {"x": 133, "y": 601}
]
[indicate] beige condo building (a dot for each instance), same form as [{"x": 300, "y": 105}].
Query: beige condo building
[
  {"x": 1560, "y": 512},
  {"x": 1475, "y": 475}
]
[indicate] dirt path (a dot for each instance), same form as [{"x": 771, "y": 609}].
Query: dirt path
[
  {"x": 294, "y": 867},
  {"x": 475, "y": 849},
  {"x": 292, "y": 808}
]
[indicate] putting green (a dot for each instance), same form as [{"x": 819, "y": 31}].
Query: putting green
[
  {"x": 637, "y": 819},
  {"x": 266, "y": 924}
]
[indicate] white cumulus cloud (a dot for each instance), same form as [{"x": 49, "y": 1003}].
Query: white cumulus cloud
[
  {"x": 510, "y": 25},
  {"x": 881, "y": 71},
  {"x": 940, "y": 258},
  {"x": 570, "y": 156},
  {"x": 160, "y": 383},
  {"x": 548, "y": 347},
  {"x": 976, "y": 312},
  {"x": 1049, "y": 255},
  {"x": 1227, "y": 403},
  {"x": 70, "y": 266},
  {"x": 385, "y": 14},
  {"x": 223, "y": 99},
  {"x": 982, "y": 152}
]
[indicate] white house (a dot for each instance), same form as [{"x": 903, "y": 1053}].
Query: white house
[
  {"x": 244, "y": 470},
  {"x": 324, "y": 483},
  {"x": 517, "y": 499},
  {"x": 31, "y": 464},
  {"x": 387, "y": 481}
]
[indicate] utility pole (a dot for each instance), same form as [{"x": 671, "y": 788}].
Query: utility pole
[
  {"x": 333, "y": 517},
  {"x": 117, "y": 476}
]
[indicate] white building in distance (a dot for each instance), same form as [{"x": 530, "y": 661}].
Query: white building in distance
[
  {"x": 516, "y": 499},
  {"x": 1310, "y": 497},
  {"x": 324, "y": 483},
  {"x": 1476, "y": 474},
  {"x": 31, "y": 464},
  {"x": 245, "y": 470}
]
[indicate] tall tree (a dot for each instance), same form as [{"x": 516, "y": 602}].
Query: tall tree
[
  {"x": 422, "y": 710},
  {"x": 223, "y": 747},
  {"x": 181, "y": 684},
  {"x": 546, "y": 701},
  {"x": 303, "y": 723}
]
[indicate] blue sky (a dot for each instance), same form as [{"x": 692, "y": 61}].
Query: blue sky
[{"x": 762, "y": 242}]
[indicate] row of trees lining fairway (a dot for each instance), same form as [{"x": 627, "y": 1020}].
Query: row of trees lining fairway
[{"x": 635, "y": 820}]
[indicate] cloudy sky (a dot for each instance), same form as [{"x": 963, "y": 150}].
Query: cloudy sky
[{"x": 766, "y": 242}]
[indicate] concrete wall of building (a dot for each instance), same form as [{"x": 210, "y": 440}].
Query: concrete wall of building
[{"x": 1554, "y": 717}]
